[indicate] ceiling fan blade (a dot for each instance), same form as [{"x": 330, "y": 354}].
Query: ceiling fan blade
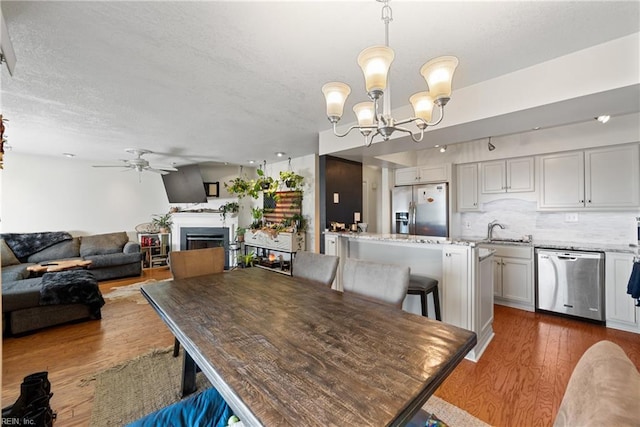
[
  {"x": 162, "y": 172},
  {"x": 110, "y": 166},
  {"x": 164, "y": 168}
]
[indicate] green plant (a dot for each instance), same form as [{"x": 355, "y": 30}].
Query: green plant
[
  {"x": 162, "y": 221},
  {"x": 247, "y": 260},
  {"x": 256, "y": 214},
  {"x": 300, "y": 222},
  {"x": 266, "y": 184},
  {"x": 229, "y": 208},
  {"x": 240, "y": 231},
  {"x": 292, "y": 180},
  {"x": 239, "y": 186}
]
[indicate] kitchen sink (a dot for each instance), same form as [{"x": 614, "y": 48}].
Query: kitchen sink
[{"x": 510, "y": 241}]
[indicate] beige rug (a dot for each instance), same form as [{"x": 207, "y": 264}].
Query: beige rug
[
  {"x": 129, "y": 292},
  {"x": 140, "y": 386}
]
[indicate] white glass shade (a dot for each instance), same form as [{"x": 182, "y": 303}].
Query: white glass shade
[
  {"x": 365, "y": 113},
  {"x": 335, "y": 93},
  {"x": 375, "y": 62},
  {"x": 422, "y": 103},
  {"x": 439, "y": 73}
]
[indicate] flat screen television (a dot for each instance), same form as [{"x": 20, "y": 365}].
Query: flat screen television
[{"x": 185, "y": 185}]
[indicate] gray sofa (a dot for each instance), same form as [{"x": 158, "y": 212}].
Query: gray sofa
[{"x": 112, "y": 256}]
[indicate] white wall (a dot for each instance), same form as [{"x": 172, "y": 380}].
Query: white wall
[{"x": 61, "y": 194}]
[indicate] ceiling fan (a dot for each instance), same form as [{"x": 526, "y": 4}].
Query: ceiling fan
[{"x": 140, "y": 164}]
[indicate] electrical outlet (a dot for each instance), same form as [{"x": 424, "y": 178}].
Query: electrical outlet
[{"x": 571, "y": 217}]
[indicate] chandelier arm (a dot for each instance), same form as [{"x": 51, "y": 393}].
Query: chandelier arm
[
  {"x": 439, "y": 120},
  {"x": 341, "y": 135},
  {"x": 370, "y": 138}
]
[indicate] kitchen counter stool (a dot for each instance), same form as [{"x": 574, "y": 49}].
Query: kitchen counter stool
[{"x": 423, "y": 286}]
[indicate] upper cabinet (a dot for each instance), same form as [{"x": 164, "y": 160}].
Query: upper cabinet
[
  {"x": 598, "y": 178},
  {"x": 423, "y": 174},
  {"x": 507, "y": 176},
  {"x": 467, "y": 187}
]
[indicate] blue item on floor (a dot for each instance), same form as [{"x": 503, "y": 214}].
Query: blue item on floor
[{"x": 205, "y": 409}]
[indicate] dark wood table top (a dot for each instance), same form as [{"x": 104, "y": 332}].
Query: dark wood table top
[{"x": 283, "y": 352}]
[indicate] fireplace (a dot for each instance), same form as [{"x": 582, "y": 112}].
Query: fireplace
[{"x": 205, "y": 237}]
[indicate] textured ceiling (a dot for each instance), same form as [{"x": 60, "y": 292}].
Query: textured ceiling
[{"x": 239, "y": 80}]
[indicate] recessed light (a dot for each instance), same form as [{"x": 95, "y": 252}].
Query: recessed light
[
  {"x": 536, "y": 128},
  {"x": 70, "y": 155},
  {"x": 443, "y": 148},
  {"x": 280, "y": 154},
  {"x": 603, "y": 119},
  {"x": 251, "y": 162}
]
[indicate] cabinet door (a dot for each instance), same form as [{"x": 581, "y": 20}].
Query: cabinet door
[
  {"x": 406, "y": 176},
  {"x": 520, "y": 175},
  {"x": 620, "y": 306},
  {"x": 438, "y": 173},
  {"x": 494, "y": 177},
  {"x": 612, "y": 177},
  {"x": 516, "y": 280},
  {"x": 456, "y": 304},
  {"x": 497, "y": 276},
  {"x": 562, "y": 180},
  {"x": 467, "y": 187}
]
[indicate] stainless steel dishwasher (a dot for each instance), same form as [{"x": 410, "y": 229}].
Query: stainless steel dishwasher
[{"x": 570, "y": 283}]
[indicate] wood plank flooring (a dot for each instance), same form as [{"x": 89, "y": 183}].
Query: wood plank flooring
[{"x": 519, "y": 381}]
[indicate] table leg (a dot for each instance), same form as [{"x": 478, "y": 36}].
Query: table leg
[{"x": 188, "y": 374}]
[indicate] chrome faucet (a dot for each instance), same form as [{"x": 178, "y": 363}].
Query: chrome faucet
[{"x": 493, "y": 224}]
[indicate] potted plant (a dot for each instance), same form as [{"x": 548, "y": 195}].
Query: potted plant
[
  {"x": 229, "y": 208},
  {"x": 162, "y": 222},
  {"x": 292, "y": 180},
  {"x": 256, "y": 213},
  {"x": 247, "y": 260},
  {"x": 266, "y": 184},
  {"x": 239, "y": 186},
  {"x": 240, "y": 234}
]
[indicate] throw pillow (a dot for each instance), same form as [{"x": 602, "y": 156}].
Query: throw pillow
[
  {"x": 7, "y": 255},
  {"x": 102, "y": 244}
]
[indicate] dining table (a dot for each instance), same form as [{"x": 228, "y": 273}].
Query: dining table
[{"x": 284, "y": 351}]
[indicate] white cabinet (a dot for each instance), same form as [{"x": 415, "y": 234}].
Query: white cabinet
[
  {"x": 620, "y": 309},
  {"x": 423, "y": 174},
  {"x": 599, "y": 178},
  {"x": 456, "y": 298},
  {"x": 467, "y": 187},
  {"x": 263, "y": 243},
  {"x": 507, "y": 176},
  {"x": 513, "y": 276}
]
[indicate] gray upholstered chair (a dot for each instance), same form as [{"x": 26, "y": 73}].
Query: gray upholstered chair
[
  {"x": 193, "y": 263},
  {"x": 385, "y": 283},
  {"x": 320, "y": 268}
]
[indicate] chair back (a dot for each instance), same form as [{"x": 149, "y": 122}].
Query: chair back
[
  {"x": 196, "y": 262},
  {"x": 317, "y": 267},
  {"x": 385, "y": 283}
]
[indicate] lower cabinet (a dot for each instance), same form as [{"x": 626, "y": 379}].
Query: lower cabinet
[
  {"x": 274, "y": 251},
  {"x": 513, "y": 276},
  {"x": 620, "y": 309}
]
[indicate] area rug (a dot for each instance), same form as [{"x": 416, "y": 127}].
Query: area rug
[
  {"x": 129, "y": 292},
  {"x": 145, "y": 384}
]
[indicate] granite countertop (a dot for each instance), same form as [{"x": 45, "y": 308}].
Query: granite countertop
[{"x": 473, "y": 242}]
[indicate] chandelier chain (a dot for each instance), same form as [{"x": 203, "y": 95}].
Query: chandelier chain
[{"x": 387, "y": 16}]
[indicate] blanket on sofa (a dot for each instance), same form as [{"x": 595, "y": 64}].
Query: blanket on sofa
[
  {"x": 25, "y": 244},
  {"x": 72, "y": 287}
]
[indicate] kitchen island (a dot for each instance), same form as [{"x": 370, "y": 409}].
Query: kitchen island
[{"x": 464, "y": 272}]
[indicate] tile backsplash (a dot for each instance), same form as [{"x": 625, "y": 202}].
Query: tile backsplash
[{"x": 520, "y": 218}]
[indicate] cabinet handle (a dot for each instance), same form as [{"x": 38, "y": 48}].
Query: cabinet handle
[
  {"x": 581, "y": 201},
  {"x": 589, "y": 201}
]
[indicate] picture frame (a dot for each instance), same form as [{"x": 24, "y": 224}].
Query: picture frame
[{"x": 212, "y": 189}]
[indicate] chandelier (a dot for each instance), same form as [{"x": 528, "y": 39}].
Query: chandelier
[{"x": 375, "y": 62}]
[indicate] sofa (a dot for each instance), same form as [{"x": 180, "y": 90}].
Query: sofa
[
  {"x": 604, "y": 389},
  {"x": 31, "y": 301}
]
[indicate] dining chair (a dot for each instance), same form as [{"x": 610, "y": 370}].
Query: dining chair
[
  {"x": 193, "y": 263},
  {"x": 319, "y": 268},
  {"x": 387, "y": 283}
]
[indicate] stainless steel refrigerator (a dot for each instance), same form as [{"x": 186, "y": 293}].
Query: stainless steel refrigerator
[{"x": 421, "y": 210}]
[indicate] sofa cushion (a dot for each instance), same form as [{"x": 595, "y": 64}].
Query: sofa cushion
[
  {"x": 101, "y": 244},
  {"x": 21, "y": 294},
  {"x": 62, "y": 250},
  {"x": 111, "y": 260},
  {"x": 6, "y": 254},
  {"x": 11, "y": 273}
]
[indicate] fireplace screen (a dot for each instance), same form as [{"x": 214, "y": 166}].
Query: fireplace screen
[{"x": 205, "y": 237}]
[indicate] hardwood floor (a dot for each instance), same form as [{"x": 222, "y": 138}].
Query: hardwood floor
[{"x": 519, "y": 381}]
